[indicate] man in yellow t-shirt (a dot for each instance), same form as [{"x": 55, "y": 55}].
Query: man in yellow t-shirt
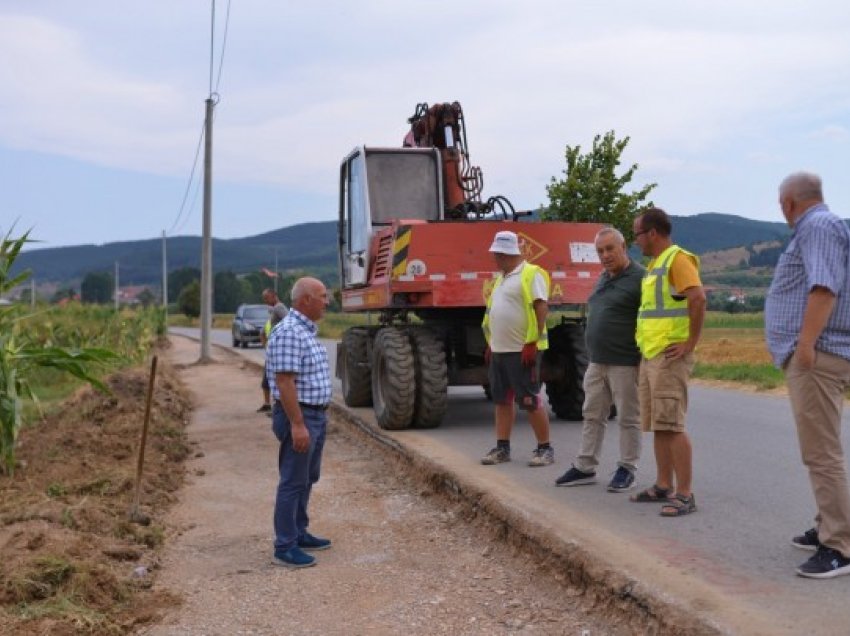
[{"x": 669, "y": 325}]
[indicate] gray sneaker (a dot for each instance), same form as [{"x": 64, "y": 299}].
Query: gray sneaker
[
  {"x": 542, "y": 457},
  {"x": 496, "y": 456}
]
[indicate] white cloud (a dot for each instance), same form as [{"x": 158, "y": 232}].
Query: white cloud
[
  {"x": 832, "y": 132},
  {"x": 703, "y": 91}
]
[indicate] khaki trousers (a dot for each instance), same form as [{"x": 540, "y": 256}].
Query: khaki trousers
[
  {"x": 817, "y": 398},
  {"x": 603, "y": 385}
]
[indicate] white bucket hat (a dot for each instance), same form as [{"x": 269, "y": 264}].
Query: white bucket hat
[{"x": 506, "y": 242}]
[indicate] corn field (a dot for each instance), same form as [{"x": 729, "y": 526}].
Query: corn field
[{"x": 74, "y": 339}]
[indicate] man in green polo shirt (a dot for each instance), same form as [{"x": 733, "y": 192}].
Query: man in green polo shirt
[{"x": 612, "y": 375}]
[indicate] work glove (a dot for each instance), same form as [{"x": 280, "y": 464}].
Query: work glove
[
  {"x": 487, "y": 355},
  {"x": 529, "y": 354}
]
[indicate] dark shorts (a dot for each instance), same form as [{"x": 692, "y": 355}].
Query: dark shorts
[{"x": 511, "y": 381}]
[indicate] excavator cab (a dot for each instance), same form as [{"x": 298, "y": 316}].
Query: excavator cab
[{"x": 378, "y": 186}]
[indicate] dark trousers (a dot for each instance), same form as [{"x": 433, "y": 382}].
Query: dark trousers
[{"x": 298, "y": 473}]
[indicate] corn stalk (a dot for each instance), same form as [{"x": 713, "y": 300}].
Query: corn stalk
[{"x": 20, "y": 356}]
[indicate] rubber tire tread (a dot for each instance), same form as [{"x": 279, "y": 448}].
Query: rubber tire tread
[
  {"x": 432, "y": 380},
  {"x": 357, "y": 384},
  {"x": 567, "y": 349},
  {"x": 393, "y": 379}
]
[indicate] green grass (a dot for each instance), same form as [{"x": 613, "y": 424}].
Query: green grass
[
  {"x": 723, "y": 320},
  {"x": 333, "y": 324},
  {"x": 762, "y": 376}
]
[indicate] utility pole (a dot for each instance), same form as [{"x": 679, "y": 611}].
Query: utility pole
[
  {"x": 164, "y": 276},
  {"x": 117, "y": 288},
  {"x": 206, "y": 242},
  {"x": 32, "y": 293}
]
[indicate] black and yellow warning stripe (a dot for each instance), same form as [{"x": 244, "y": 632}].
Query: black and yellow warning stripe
[{"x": 401, "y": 246}]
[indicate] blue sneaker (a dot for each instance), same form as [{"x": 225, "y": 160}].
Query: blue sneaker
[
  {"x": 311, "y": 542},
  {"x": 293, "y": 558},
  {"x": 623, "y": 480}
]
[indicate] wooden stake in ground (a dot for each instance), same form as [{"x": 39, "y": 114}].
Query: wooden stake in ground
[{"x": 135, "y": 515}]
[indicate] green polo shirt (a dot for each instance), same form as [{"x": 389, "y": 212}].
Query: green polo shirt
[{"x": 612, "y": 320}]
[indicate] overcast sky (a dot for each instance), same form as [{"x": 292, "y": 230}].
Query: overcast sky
[{"x": 101, "y": 102}]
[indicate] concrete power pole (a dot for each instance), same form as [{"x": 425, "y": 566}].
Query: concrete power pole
[
  {"x": 117, "y": 288},
  {"x": 206, "y": 243},
  {"x": 32, "y": 293}
]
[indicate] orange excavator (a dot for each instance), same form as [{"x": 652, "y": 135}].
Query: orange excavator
[{"x": 414, "y": 233}]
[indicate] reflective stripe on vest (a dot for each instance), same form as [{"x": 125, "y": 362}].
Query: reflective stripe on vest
[
  {"x": 663, "y": 319},
  {"x": 526, "y": 280}
]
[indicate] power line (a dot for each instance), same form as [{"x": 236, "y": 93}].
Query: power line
[
  {"x": 223, "y": 46},
  {"x": 191, "y": 178}
]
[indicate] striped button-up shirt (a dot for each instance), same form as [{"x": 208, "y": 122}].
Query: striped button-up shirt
[
  {"x": 817, "y": 256},
  {"x": 294, "y": 348}
]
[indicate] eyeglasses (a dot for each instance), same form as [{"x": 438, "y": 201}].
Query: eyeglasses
[{"x": 637, "y": 234}]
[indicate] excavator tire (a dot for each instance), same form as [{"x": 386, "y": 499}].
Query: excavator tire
[
  {"x": 567, "y": 351},
  {"x": 393, "y": 385},
  {"x": 431, "y": 378},
  {"x": 356, "y": 380}
]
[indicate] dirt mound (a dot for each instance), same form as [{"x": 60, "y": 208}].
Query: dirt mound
[{"x": 70, "y": 560}]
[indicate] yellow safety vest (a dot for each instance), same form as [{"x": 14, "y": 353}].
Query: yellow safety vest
[
  {"x": 662, "y": 318},
  {"x": 526, "y": 278}
]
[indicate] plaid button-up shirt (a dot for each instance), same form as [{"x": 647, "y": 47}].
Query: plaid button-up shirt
[
  {"x": 294, "y": 348},
  {"x": 818, "y": 255}
]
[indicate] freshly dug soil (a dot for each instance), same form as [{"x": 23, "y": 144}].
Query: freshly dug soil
[{"x": 71, "y": 561}]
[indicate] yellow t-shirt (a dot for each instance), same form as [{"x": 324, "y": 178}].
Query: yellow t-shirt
[{"x": 683, "y": 274}]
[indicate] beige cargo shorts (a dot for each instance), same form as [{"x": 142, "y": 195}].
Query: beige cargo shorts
[{"x": 663, "y": 392}]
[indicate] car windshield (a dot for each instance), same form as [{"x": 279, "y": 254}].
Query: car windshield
[{"x": 256, "y": 313}]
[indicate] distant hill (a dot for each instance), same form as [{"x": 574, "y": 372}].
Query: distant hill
[
  {"x": 312, "y": 246},
  {"x": 308, "y": 246},
  {"x": 711, "y": 231}
]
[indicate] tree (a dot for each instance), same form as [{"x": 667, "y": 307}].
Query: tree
[
  {"x": 63, "y": 293},
  {"x": 97, "y": 287},
  {"x": 146, "y": 297},
  {"x": 227, "y": 292},
  {"x": 591, "y": 189},
  {"x": 179, "y": 278},
  {"x": 189, "y": 300}
]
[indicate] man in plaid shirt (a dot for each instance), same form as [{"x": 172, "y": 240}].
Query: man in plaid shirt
[
  {"x": 299, "y": 375},
  {"x": 807, "y": 325}
]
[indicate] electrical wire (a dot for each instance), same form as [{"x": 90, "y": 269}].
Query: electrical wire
[
  {"x": 191, "y": 178},
  {"x": 223, "y": 46},
  {"x": 178, "y": 225}
]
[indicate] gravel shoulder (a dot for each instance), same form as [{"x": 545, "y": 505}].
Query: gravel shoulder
[{"x": 404, "y": 560}]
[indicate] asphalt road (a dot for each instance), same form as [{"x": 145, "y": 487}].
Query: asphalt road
[{"x": 752, "y": 492}]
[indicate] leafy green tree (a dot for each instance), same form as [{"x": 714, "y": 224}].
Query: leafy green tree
[
  {"x": 179, "y": 278},
  {"x": 146, "y": 297},
  {"x": 189, "y": 300},
  {"x": 591, "y": 190},
  {"x": 227, "y": 292},
  {"x": 253, "y": 285},
  {"x": 97, "y": 287},
  {"x": 63, "y": 293}
]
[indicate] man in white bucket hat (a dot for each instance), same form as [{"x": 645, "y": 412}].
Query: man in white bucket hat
[{"x": 515, "y": 329}]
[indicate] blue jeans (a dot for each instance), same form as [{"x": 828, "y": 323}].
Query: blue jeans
[{"x": 298, "y": 473}]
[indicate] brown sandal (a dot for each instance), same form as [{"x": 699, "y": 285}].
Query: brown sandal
[
  {"x": 679, "y": 506},
  {"x": 653, "y": 494}
]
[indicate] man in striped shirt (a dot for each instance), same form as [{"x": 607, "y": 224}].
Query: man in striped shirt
[
  {"x": 807, "y": 326},
  {"x": 299, "y": 376}
]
